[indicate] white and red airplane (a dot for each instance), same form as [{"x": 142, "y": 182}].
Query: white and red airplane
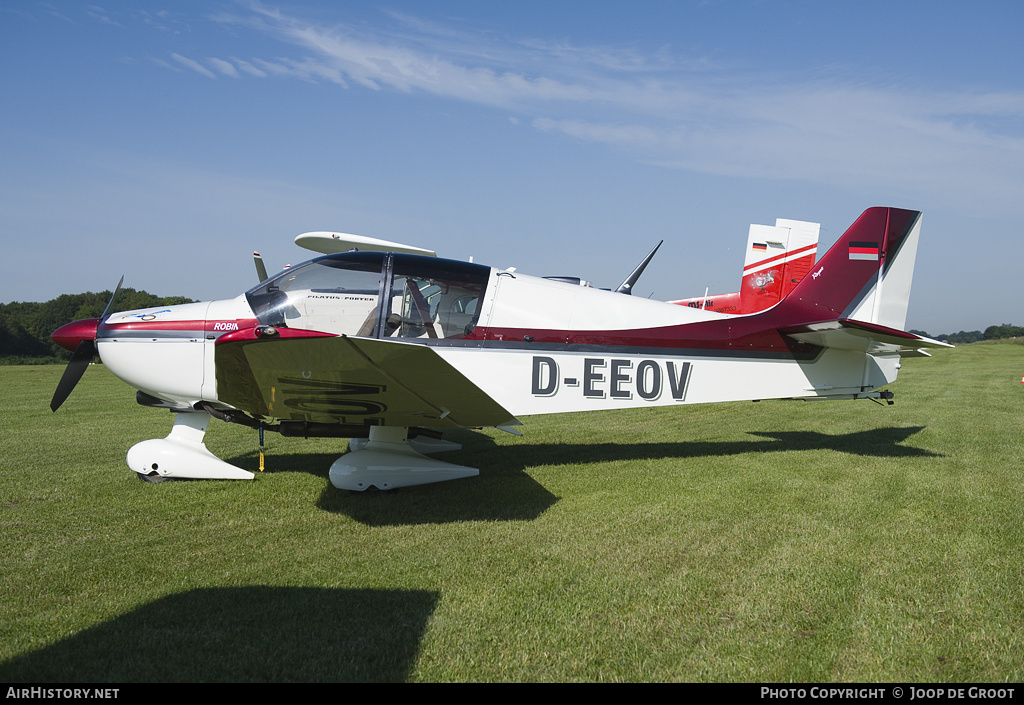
[
  {"x": 392, "y": 345},
  {"x": 777, "y": 258}
]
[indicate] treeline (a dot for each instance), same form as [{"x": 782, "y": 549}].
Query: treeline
[
  {"x": 25, "y": 327},
  {"x": 973, "y": 336}
]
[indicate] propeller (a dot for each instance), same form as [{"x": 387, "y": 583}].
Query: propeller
[{"x": 82, "y": 335}]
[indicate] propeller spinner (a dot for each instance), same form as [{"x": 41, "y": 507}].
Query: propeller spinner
[{"x": 80, "y": 338}]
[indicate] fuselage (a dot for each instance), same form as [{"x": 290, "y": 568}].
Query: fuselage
[{"x": 532, "y": 344}]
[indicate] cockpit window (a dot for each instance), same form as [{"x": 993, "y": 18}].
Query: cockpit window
[
  {"x": 334, "y": 294},
  {"x": 434, "y": 298},
  {"x": 427, "y": 297}
]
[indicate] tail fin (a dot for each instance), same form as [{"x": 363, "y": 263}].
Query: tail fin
[
  {"x": 865, "y": 276},
  {"x": 777, "y": 258}
]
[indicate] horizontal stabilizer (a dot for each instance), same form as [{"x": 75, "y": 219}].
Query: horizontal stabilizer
[
  {"x": 870, "y": 338},
  {"x": 329, "y": 243}
]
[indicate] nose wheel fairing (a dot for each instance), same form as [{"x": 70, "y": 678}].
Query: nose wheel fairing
[{"x": 182, "y": 454}]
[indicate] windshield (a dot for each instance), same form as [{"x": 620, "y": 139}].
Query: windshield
[
  {"x": 428, "y": 297},
  {"x": 334, "y": 294}
]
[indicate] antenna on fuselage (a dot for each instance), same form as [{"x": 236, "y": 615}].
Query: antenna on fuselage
[{"x": 626, "y": 287}]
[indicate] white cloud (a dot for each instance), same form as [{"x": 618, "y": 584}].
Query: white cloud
[
  {"x": 249, "y": 68},
  {"x": 685, "y": 113},
  {"x": 225, "y": 67},
  {"x": 193, "y": 64},
  {"x": 101, "y": 14}
]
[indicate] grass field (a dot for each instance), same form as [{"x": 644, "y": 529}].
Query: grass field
[{"x": 772, "y": 541}]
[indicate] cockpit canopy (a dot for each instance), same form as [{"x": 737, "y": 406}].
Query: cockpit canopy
[{"x": 374, "y": 294}]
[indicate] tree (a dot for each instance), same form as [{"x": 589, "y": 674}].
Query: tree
[
  {"x": 1004, "y": 331},
  {"x": 25, "y": 327},
  {"x": 17, "y": 341}
]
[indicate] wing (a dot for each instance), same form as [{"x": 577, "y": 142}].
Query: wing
[
  {"x": 362, "y": 381},
  {"x": 328, "y": 243},
  {"x": 871, "y": 338}
]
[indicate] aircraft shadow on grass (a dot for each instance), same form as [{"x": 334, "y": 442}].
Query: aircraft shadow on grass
[
  {"x": 505, "y": 491},
  {"x": 243, "y": 634}
]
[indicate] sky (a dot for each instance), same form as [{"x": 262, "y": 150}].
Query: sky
[{"x": 166, "y": 144}]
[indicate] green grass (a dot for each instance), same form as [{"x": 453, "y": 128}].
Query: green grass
[{"x": 775, "y": 541}]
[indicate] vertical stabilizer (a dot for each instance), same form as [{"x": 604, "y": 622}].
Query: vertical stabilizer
[
  {"x": 777, "y": 258},
  {"x": 887, "y": 304},
  {"x": 866, "y": 275}
]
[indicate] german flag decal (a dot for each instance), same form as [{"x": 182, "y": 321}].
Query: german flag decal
[
  {"x": 864, "y": 250},
  {"x": 760, "y": 246}
]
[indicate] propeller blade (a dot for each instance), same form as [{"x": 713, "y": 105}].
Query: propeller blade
[
  {"x": 80, "y": 360},
  {"x": 83, "y": 353}
]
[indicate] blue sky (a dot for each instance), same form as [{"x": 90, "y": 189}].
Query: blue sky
[{"x": 562, "y": 138}]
